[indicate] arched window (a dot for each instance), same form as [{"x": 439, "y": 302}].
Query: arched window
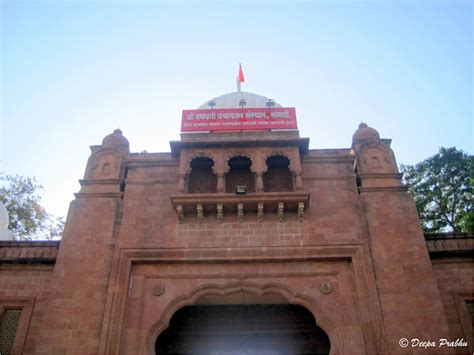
[
  {"x": 202, "y": 179},
  {"x": 240, "y": 174},
  {"x": 278, "y": 177}
]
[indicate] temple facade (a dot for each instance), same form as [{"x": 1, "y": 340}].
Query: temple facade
[{"x": 240, "y": 242}]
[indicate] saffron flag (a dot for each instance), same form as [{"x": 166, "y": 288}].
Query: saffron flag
[{"x": 241, "y": 74}]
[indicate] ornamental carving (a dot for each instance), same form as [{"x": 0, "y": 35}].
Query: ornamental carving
[
  {"x": 220, "y": 212},
  {"x": 325, "y": 288},
  {"x": 291, "y": 154},
  {"x": 199, "y": 213},
  {"x": 300, "y": 211},
  {"x": 281, "y": 211},
  {"x": 260, "y": 212},
  {"x": 236, "y": 154},
  {"x": 105, "y": 165},
  {"x": 200, "y": 154},
  {"x": 158, "y": 289},
  {"x": 240, "y": 212},
  {"x": 378, "y": 159}
]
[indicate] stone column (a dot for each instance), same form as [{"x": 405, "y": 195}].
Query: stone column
[
  {"x": 259, "y": 182},
  {"x": 220, "y": 182},
  {"x": 409, "y": 296},
  {"x": 298, "y": 181},
  {"x": 78, "y": 291},
  {"x": 181, "y": 183}
]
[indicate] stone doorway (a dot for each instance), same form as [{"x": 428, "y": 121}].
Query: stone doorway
[{"x": 250, "y": 329}]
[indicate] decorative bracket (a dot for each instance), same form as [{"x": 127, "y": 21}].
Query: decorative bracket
[
  {"x": 260, "y": 212},
  {"x": 281, "y": 211},
  {"x": 220, "y": 212},
  {"x": 180, "y": 213},
  {"x": 240, "y": 212},
  {"x": 300, "y": 211},
  {"x": 275, "y": 203},
  {"x": 200, "y": 213}
]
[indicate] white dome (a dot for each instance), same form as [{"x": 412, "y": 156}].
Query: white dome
[
  {"x": 232, "y": 100},
  {"x": 3, "y": 217}
]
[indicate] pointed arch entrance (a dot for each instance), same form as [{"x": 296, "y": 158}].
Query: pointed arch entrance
[
  {"x": 154, "y": 285},
  {"x": 243, "y": 324}
]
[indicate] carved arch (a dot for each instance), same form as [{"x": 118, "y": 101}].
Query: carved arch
[
  {"x": 278, "y": 152},
  {"x": 277, "y": 175},
  {"x": 229, "y": 156},
  {"x": 238, "y": 172},
  {"x": 201, "y": 154},
  {"x": 202, "y": 177},
  {"x": 322, "y": 320}
]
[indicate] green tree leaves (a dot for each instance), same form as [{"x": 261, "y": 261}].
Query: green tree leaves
[
  {"x": 442, "y": 188},
  {"x": 28, "y": 219}
]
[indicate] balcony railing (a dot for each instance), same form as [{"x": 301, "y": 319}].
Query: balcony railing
[{"x": 218, "y": 204}]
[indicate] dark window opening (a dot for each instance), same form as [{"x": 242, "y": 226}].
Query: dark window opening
[
  {"x": 278, "y": 177},
  {"x": 202, "y": 179},
  {"x": 122, "y": 184},
  {"x": 240, "y": 174},
  {"x": 243, "y": 329},
  {"x": 358, "y": 180}
]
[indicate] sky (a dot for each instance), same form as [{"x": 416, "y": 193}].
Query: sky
[{"x": 73, "y": 71}]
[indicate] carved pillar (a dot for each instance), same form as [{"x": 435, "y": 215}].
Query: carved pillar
[
  {"x": 298, "y": 181},
  {"x": 258, "y": 168},
  {"x": 220, "y": 169},
  {"x": 259, "y": 183},
  {"x": 183, "y": 170},
  {"x": 220, "y": 182},
  {"x": 181, "y": 183}
]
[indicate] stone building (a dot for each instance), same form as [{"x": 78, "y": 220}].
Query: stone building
[{"x": 239, "y": 242}]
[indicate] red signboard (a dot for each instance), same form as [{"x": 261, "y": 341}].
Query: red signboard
[{"x": 239, "y": 119}]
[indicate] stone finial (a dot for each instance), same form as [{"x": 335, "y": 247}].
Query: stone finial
[
  {"x": 365, "y": 134},
  {"x": 5, "y": 234},
  {"x": 116, "y": 139}
]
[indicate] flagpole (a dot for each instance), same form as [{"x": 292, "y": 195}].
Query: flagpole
[{"x": 240, "y": 78}]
